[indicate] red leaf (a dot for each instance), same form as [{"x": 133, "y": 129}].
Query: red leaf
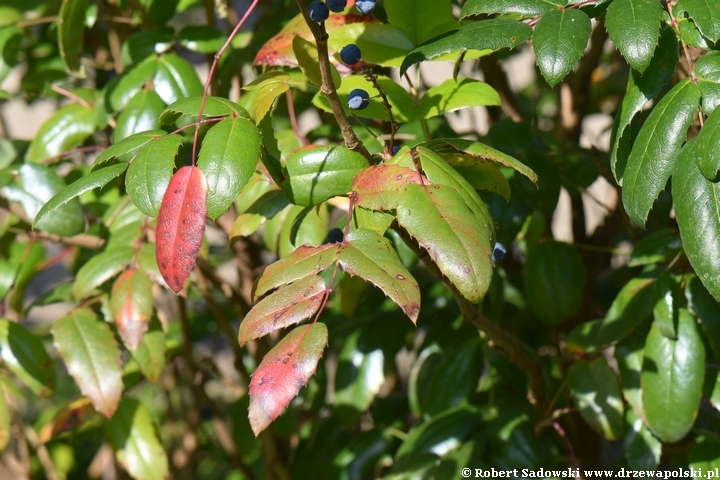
[
  {"x": 287, "y": 306},
  {"x": 74, "y": 415},
  {"x": 303, "y": 261},
  {"x": 181, "y": 225},
  {"x": 283, "y": 372},
  {"x": 379, "y": 187},
  {"x": 131, "y": 304}
]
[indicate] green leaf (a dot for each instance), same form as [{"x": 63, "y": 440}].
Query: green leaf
[
  {"x": 708, "y": 158},
  {"x": 131, "y": 432},
  {"x": 10, "y": 40},
  {"x": 706, "y": 16},
  {"x": 526, "y": 8},
  {"x": 403, "y": 106},
  {"x": 481, "y": 174},
  {"x": 126, "y": 146},
  {"x": 656, "y": 149},
  {"x": 672, "y": 379},
  {"x": 150, "y": 354},
  {"x": 632, "y": 305},
  {"x": 642, "y": 87},
  {"x": 149, "y": 42},
  {"x": 370, "y": 256},
  {"x": 554, "y": 281},
  {"x": 705, "y": 454},
  {"x": 458, "y": 243},
  {"x": 594, "y": 389},
  {"x": 5, "y": 419},
  {"x": 24, "y": 355},
  {"x": 214, "y": 107},
  {"x": 454, "y": 378},
  {"x": 707, "y": 309},
  {"x": 380, "y": 44},
  {"x": 71, "y": 31},
  {"x": 67, "y": 128},
  {"x": 634, "y": 27},
  {"x": 131, "y": 82},
  {"x": 658, "y": 247},
  {"x": 302, "y": 226},
  {"x": 559, "y": 41},
  {"x": 142, "y": 113},
  {"x": 360, "y": 374},
  {"x": 642, "y": 449},
  {"x": 176, "y": 79},
  {"x": 304, "y": 261},
  {"x": 286, "y": 306},
  {"x": 149, "y": 173},
  {"x": 493, "y": 34},
  {"x": 230, "y": 151},
  {"x": 629, "y": 357},
  {"x": 697, "y": 209},
  {"x": 450, "y": 96},
  {"x": 707, "y": 71},
  {"x": 36, "y": 185},
  {"x": 583, "y": 338},
  {"x": 307, "y": 58},
  {"x": 96, "y": 179},
  {"x": 202, "y": 38},
  {"x": 420, "y": 20},
  {"x": 270, "y": 85},
  {"x": 101, "y": 268},
  {"x": 316, "y": 174},
  {"x": 92, "y": 357}
]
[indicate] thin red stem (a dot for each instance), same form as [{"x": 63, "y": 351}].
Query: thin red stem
[
  {"x": 293, "y": 118},
  {"x": 216, "y": 59},
  {"x": 207, "y": 120},
  {"x": 67, "y": 153}
]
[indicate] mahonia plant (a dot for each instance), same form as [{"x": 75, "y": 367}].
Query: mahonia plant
[{"x": 395, "y": 187}]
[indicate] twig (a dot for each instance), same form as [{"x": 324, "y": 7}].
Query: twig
[
  {"x": 70, "y": 95},
  {"x": 67, "y": 153},
  {"x": 211, "y": 73},
  {"x": 37, "y": 21},
  {"x": 293, "y": 118},
  {"x": 328, "y": 87},
  {"x": 560, "y": 431},
  {"x": 207, "y": 120},
  {"x": 496, "y": 77},
  {"x": 42, "y": 453},
  {"x": 372, "y": 78}
]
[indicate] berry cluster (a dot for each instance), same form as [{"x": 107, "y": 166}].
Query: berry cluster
[{"x": 319, "y": 11}]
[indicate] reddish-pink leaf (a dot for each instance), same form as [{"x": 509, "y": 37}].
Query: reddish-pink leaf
[
  {"x": 379, "y": 187},
  {"x": 283, "y": 372},
  {"x": 181, "y": 225},
  {"x": 304, "y": 261},
  {"x": 131, "y": 304},
  {"x": 286, "y": 306}
]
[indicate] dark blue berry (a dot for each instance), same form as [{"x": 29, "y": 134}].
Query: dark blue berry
[
  {"x": 334, "y": 236},
  {"x": 358, "y": 99},
  {"x": 336, "y": 5},
  {"x": 350, "y": 54},
  {"x": 396, "y": 149},
  {"x": 498, "y": 253},
  {"x": 365, "y": 7},
  {"x": 318, "y": 12}
]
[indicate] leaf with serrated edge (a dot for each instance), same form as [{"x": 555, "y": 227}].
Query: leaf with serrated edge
[
  {"x": 131, "y": 304},
  {"x": 24, "y": 355},
  {"x": 371, "y": 257},
  {"x": 181, "y": 226},
  {"x": 526, "y": 8},
  {"x": 127, "y": 145},
  {"x": 559, "y": 40},
  {"x": 634, "y": 26},
  {"x": 93, "y": 180},
  {"x": 101, "y": 268},
  {"x": 230, "y": 151},
  {"x": 380, "y": 187},
  {"x": 92, "y": 357},
  {"x": 304, "y": 261},
  {"x": 444, "y": 225},
  {"x": 214, "y": 107},
  {"x": 283, "y": 372},
  {"x": 655, "y": 151},
  {"x": 131, "y": 432},
  {"x": 453, "y": 95},
  {"x": 286, "y": 306}
]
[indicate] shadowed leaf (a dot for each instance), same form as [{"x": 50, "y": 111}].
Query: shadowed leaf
[
  {"x": 24, "y": 355},
  {"x": 131, "y": 304}
]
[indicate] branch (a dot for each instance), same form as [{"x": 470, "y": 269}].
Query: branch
[
  {"x": 496, "y": 77},
  {"x": 328, "y": 87},
  {"x": 509, "y": 345}
]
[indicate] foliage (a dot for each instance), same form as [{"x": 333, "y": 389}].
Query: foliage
[{"x": 189, "y": 230}]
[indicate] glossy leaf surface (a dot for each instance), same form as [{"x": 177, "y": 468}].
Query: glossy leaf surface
[
  {"x": 656, "y": 149},
  {"x": 24, "y": 355},
  {"x": 672, "y": 378},
  {"x": 559, "y": 40},
  {"x": 595, "y": 390},
  {"x": 92, "y": 357},
  {"x": 181, "y": 226},
  {"x": 305, "y": 260},
  {"x": 65, "y": 129},
  {"x": 286, "y": 306},
  {"x": 370, "y": 256},
  {"x": 70, "y": 34},
  {"x": 634, "y": 26},
  {"x": 284, "y": 370}
]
